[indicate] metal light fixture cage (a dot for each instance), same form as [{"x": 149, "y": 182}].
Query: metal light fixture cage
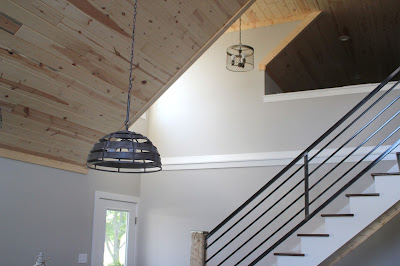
[
  {"x": 125, "y": 151},
  {"x": 240, "y": 57}
]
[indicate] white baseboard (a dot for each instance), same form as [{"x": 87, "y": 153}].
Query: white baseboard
[{"x": 265, "y": 159}]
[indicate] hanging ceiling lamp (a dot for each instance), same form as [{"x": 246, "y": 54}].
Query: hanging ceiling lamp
[
  {"x": 125, "y": 151},
  {"x": 240, "y": 57}
]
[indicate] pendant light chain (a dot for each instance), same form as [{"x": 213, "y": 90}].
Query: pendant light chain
[
  {"x": 128, "y": 106},
  {"x": 125, "y": 151},
  {"x": 240, "y": 57},
  {"x": 240, "y": 30}
]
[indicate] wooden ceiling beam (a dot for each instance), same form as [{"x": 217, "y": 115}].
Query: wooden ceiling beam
[
  {"x": 267, "y": 22},
  {"x": 312, "y": 17}
]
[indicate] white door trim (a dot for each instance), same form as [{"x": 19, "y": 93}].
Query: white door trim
[{"x": 97, "y": 226}]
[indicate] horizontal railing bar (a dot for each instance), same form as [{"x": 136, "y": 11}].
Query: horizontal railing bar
[
  {"x": 282, "y": 239},
  {"x": 258, "y": 218},
  {"x": 353, "y": 110},
  {"x": 261, "y": 190},
  {"x": 262, "y": 228},
  {"x": 355, "y": 120},
  {"x": 268, "y": 238},
  {"x": 300, "y": 156},
  {"x": 322, "y": 206},
  {"x": 368, "y": 154},
  {"x": 357, "y": 148},
  {"x": 355, "y": 135},
  {"x": 258, "y": 204},
  {"x": 364, "y": 171}
]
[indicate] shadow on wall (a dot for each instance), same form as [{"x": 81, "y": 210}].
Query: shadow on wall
[{"x": 382, "y": 248}]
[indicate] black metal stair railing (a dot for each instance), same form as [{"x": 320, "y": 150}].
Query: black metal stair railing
[{"x": 348, "y": 150}]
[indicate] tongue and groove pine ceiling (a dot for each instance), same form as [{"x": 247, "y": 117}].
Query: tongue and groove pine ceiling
[
  {"x": 64, "y": 67},
  {"x": 64, "y": 64}
]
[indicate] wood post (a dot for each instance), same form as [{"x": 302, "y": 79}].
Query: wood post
[{"x": 197, "y": 252}]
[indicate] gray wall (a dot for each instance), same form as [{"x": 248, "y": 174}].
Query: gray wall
[{"x": 50, "y": 210}]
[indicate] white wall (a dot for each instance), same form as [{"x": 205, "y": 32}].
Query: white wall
[
  {"x": 211, "y": 111},
  {"x": 175, "y": 202}
]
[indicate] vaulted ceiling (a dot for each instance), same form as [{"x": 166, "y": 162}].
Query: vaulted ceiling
[
  {"x": 64, "y": 64},
  {"x": 64, "y": 67}
]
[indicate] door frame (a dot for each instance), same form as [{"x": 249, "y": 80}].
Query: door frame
[{"x": 100, "y": 196}]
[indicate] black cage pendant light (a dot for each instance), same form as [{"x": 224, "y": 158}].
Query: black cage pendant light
[
  {"x": 240, "y": 57},
  {"x": 125, "y": 151}
]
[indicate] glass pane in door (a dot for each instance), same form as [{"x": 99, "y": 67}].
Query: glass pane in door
[{"x": 116, "y": 238}]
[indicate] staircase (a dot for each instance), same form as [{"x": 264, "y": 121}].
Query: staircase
[
  {"x": 338, "y": 229},
  {"x": 325, "y": 197}
]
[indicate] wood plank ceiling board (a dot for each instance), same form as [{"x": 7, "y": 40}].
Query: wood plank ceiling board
[
  {"x": 269, "y": 12},
  {"x": 64, "y": 67},
  {"x": 321, "y": 59}
]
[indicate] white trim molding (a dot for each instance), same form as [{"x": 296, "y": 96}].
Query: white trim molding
[
  {"x": 281, "y": 158},
  {"x": 115, "y": 197},
  {"x": 288, "y": 96}
]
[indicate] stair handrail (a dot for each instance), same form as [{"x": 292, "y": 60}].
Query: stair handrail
[{"x": 305, "y": 152}]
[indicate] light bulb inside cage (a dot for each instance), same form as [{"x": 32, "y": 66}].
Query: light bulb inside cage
[
  {"x": 240, "y": 58},
  {"x": 233, "y": 57}
]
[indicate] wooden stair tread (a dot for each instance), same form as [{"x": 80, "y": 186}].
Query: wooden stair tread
[
  {"x": 314, "y": 235},
  {"x": 363, "y": 195},
  {"x": 383, "y": 174},
  {"x": 337, "y": 215},
  {"x": 289, "y": 254}
]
